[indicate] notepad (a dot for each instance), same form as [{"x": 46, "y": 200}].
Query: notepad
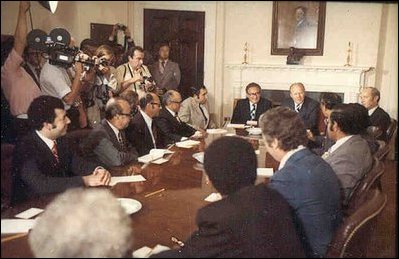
[
  {"x": 188, "y": 143},
  {"x": 29, "y": 213},
  {"x": 126, "y": 179},
  {"x": 12, "y": 226},
  {"x": 265, "y": 172},
  {"x": 236, "y": 126},
  {"x": 153, "y": 155},
  {"x": 146, "y": 252},
  {"x": 214, "y": 197}
]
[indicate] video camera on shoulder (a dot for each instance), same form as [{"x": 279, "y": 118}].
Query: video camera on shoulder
[{"x": 57, "y": 50}]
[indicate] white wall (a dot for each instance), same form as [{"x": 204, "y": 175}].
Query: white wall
[{"x": 371, "y": 27}]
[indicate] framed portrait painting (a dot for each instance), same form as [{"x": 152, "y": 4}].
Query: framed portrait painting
[{"x": 298, "y": 24}]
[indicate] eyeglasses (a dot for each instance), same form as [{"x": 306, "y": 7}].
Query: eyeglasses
[
  {"x": 176, "y": 102},
  {"x": 159, "y": 105},
  {"x": 125, "y": 114},
  {"x": 254, "y": 94}
]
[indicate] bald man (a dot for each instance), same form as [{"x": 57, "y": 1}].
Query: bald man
[{"x": 307, "y": 108}]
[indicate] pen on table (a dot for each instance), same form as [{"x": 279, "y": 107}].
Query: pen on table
[
  {"x": 172, "y": 145},
  {"x": 13, "y": 237},
  {"x": 177, "y": 241},
  {"x": 144, "y": 166},
  {"x": 153, "y": 193}
]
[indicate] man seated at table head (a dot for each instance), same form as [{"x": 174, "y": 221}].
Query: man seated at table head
[
  {"x": 43, "y": 161},
  {"x": 171, "y": 128},
  {"x": 249, "y": 221},
  {"x": 142, "y": 132},
  {"x": 370, "y": 97},
  {"x": 307, "y": 108},
  {"x": 321, "y": 143},
  {"x": 305, "y": 180},
  {"x": 250, "y": 108},
  {"x": 82, "y": 224},
  {"x": 350, "y": 156},
  {"x": 107, "y": 143},
  {"x": 195, "y": 110}
]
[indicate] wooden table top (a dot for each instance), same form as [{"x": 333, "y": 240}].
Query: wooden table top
[{"x": 169, "y": 213}]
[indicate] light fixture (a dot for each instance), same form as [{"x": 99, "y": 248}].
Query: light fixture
[{"x": 49, "y": 5}]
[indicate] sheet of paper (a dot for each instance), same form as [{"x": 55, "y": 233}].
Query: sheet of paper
[
  {"x": 154, "y": 155},
  {"x": 29, "y": 213},
  {"x": 252, "y": 123},
  {"x": 236, "y": 126},
  {"x": 160, "y": 161},
  {"x": 213, "y": 197},
  {"x": 146, "y": 252},
  {"x": 266, "y": 172},
  {"x": 188, "y": 143},
  {"x": 12, "y": 226},
  {"x": 126, "y": 179}
]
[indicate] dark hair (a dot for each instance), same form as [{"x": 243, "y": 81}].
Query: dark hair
[
  {"x": 285, "y": 125},
  {"x": 303, "y": 8},
  {"x": 230, "y": 163},
  {"x": 88, "y": 42},
  {"x": 163, "y": 44},
  {"x": 351, "y": 118},
  {"x": 329, "y": 100},
  {"x": 130, "y": 96},
  {"x": 42, "y": 109},
  {"x": 113, "y": 107},
  {"x": 196, "y": 90},
  {"x": 130, "y": 52},
  {"x": 148, "y": 98},
  {"x": 250, "y": 85}
]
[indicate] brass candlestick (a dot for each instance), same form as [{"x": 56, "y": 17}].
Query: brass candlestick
[
  {"x": 245, "y": 53},
  {"x": 349, "y": 56}
]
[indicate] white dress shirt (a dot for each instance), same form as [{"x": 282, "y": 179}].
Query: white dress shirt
[
  {"x": 49, "y": 142},
  {"x": 339, "y": 143},
  {"x": 148, "y": 121},
  {"x": 116, "y": 131},
  {"x": 288, "y": 155},
  {"x": 371, "y": 111}
]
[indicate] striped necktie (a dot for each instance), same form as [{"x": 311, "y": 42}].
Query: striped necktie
[
  {"x": 253, "y": 111},
  {"x": 54, "y": 150},
  {"x": 298, "y": 107}
]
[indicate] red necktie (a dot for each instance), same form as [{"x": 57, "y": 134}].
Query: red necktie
[{"x": 55, "y": 151}]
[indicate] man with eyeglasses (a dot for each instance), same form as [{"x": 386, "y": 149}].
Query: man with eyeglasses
[
  {"x": 250, "y": 108},
  {"x": 142, "y": 132},
  {"x": 107, "y": 143},
  {"x": 172, "y": 129}
]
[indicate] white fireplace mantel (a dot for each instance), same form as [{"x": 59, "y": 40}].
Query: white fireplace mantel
[{"x": 347, "y": 80}]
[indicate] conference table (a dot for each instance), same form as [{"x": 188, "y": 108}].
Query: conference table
[{"x": 180, "y": 186}]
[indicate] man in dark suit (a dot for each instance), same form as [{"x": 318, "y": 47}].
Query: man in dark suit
[
  {"x": 43, "y": 161},
  {"x": 243, "y": 224},
  {"x": 172, "y": 129},
  {"x": 307, "y": 108},
  {"x": 250, "y": 108},
  {"x": 107, "y": 143},
  {"x": 305, "y": 180},
  {"x": 142, "y": 132},
  {"x": 369, "y": 97},
  {"x": 166, "y": 73}
]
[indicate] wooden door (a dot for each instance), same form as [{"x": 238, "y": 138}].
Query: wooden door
[{"x": 184, "y": 31}]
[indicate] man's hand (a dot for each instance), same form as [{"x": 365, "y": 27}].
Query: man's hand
[
  {"x": 99, "y": 177},
  {"x": 134, "y": 169},
  {"x": 136, "y": 78},
  {"x": 24, "y": 6}
]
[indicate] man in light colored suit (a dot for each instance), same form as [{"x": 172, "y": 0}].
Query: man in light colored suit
[
  {"x": 304, "y": 179},
  {"x": 166, "y": 73},
  {"x": 350, "y": 156},
  {"x": 195, "y": 111},
  {"x": 107, "y": 143}
]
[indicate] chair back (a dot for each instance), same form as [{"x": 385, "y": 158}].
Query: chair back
[
  {"x": 392, "y": 129},
  {"x": 370, "y": 180},
  {"x": 352, "y": 236},
  {"x": 75, "y": 138},
  {"x": 7, "y": 154}
]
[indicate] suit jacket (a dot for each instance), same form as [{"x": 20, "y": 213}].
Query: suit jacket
[
  {"x": 170, "y": 78},
  {"x": 243, "y": 225},
  {"x": 36, "y": 171},
  {"x": 241, "y": 113},
  {"x": 312, "y": 189},
  {"x": 351, "y": 161},
  {"x": 102, "y": 146},
  {"x": 191, "y": 114},
  {"x": 309, "y": 112},
  {"x": 382, "y": 120},
  {"x": 139, "y": 135},
  {"x": 170, "y": 129}
]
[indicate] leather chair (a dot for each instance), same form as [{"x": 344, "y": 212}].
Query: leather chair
[
  {"x": 7, "y": 152},
  {"x": 392, "y": 129},
  {"x": 351, "y": 238},
  {"x": 372, "y": 180},
  {"x": 385, "y": 148}
]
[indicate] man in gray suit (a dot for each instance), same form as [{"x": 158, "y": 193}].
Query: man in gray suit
[
  {"x": 350, "y": 156},
  {"x": 107, "y": 143},
  {"x": 165, "y": 72}
]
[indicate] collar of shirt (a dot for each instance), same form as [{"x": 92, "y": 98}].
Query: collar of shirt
[
  {"x": 339, "y": 143},
  {"x": 147, "y": 119},
  {"x": 371, "y": 111},
  {"x": 166, "y": 61},
  {"x": 250, "y": 105},
  {"x": 288, "y": 155},
  {"x": 171, "y": 112},
  {"x": 296, "y": 104},
  {"x": 49, "y": 142},
  {"x": 116, "y": 131},
  {"x": 33, "y": 70}
]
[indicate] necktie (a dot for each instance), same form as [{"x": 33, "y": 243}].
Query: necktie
[
  {"x": 203, "y": 114},
  {"x": 163, "y": 67},
  {"x": 54, "y": 150},
  {"x": 154, "y": 135},
  {"x": 120, "y": 140},
  {"x": 253, "y": 111},
  {"x": 177, "y": 118},
  {"x": 297, "y": 107}
]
